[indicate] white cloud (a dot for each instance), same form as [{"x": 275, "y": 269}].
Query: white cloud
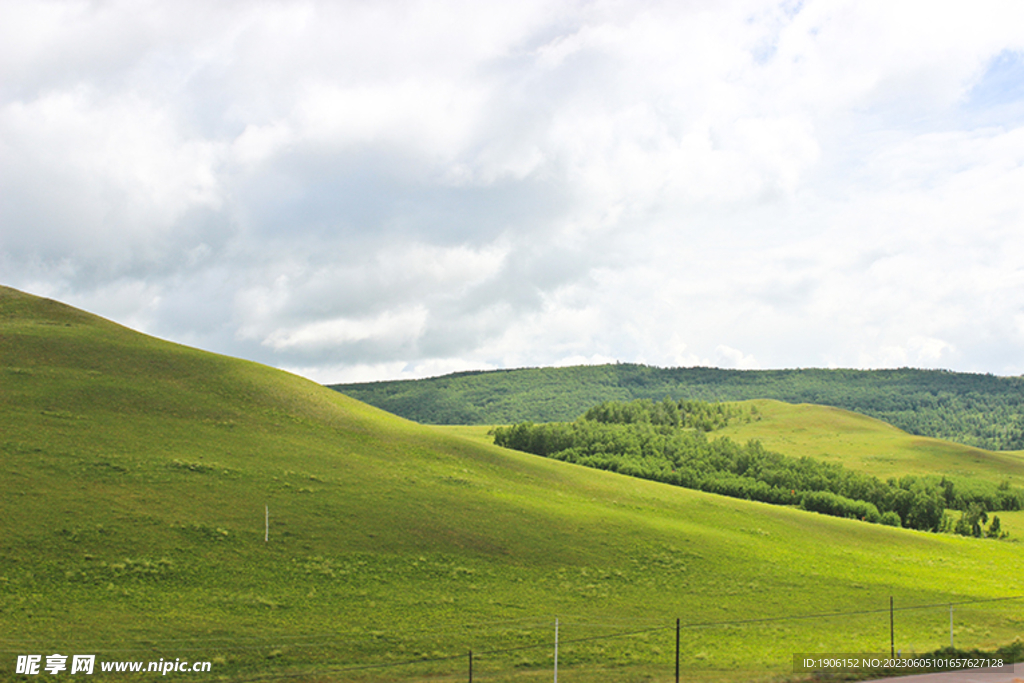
[
  {"x": 108, "y": 182},
  {"x": 929, "y": 350},
  {"x": 357, "y": 188},
  {"x": 734, "y": 358},
  {"x": 402, "y": 327}
]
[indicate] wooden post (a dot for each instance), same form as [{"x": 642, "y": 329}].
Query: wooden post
[
  {"x": 266, "y": 524},
  {"x": 677, "y": 650},
  {"x": 470, "y": 665},
  {"x": 892, "y": 633},
  {"x": 556, "y": 650}
]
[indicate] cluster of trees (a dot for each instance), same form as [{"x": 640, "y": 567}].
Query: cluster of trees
[
  {"x": 667, "y": 442},
  {"x": 972, "y": 523},
  {"x": 974, "y": 409},
  {"x": 700, "y": 415}
]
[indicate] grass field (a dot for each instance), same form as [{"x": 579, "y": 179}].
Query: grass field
[
  {"x": 868, "y": 445},
  {"x": 135, "y": 474}
]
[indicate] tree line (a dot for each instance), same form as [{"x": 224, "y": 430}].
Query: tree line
[
  {"x": 667, "y": 441},
  {"x": 973, "y": 409}
]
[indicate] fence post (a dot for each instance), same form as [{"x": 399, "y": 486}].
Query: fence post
[
  {"x": 470, "y": 665},
  {"x": 677, "y": 649},
  {"x": 556, "y": 649},
  {"x": 892, "y": 633}
]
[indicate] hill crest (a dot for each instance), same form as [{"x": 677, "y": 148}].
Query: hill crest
[{"x": 978, "y": 410}]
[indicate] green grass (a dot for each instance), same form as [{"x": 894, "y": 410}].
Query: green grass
[
  {"x": 135, "y": 474},
  {"x": 1011, "y": 522},
  {"x": 868, "y": 445}
]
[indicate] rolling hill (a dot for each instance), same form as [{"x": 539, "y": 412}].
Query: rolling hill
[
  {"x": 977, "y": 410},
  {"x": 855, "y": 441},
  {"x": 136, "y": 474},
  {"x": 869, "y": 445}
]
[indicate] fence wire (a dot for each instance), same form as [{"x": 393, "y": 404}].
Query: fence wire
[{"x": 15, "y": 645}]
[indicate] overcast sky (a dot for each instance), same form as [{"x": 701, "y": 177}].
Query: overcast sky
[{"x": 371, "y": 190}]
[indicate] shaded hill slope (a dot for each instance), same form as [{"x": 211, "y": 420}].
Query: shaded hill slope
[
  {"x": 977, "y": 410},
  {"x": 135, "y": 474}
]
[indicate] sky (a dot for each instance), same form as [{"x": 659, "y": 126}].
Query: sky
[{"x": 358, "y": 191}]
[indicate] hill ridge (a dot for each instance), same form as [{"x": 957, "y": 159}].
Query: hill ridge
[{"x": 974, "y": 409}]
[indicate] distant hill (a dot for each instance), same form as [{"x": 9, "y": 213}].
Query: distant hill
[
  {"x": 978, "y": 410},
  {"x": 867, "y": 445}
]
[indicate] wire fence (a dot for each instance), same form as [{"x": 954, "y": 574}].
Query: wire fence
[
  {"x": 472, "y": 663},
  {"x": 679, "y": 627}
]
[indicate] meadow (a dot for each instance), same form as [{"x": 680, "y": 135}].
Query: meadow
[
  {"x": 867, "y": 444},
  {"x": 136, "y": 474}
]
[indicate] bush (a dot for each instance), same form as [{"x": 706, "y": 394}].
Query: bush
[
  {"x": 829, "y": 503},
  {"x": 890, "y": 518}
]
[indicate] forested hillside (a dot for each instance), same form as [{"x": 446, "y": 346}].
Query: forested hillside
[{"x": 978, "y": 410}]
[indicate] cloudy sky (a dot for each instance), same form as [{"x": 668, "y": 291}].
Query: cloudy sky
[{"x": 373, "y": 190}]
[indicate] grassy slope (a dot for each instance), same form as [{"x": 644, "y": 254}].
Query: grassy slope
[
  {"x": 865, "y": 444},
  {"x": 135, "y": 473}
]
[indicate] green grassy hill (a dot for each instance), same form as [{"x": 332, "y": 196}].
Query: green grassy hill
[
  {"x": 855, "y": 441},
  {"x": 869, "y": 445},
  {"x": 973, "y": 409},
  {"x": 135, "y": 474}
]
